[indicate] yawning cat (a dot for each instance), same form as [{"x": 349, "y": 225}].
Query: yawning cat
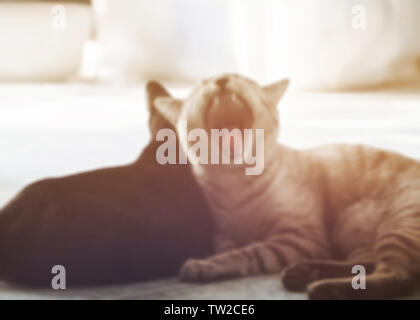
[{"x": 312, "y": 214}]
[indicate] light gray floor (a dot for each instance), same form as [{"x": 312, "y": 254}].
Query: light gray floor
[
  {"x": 266, "y": 287},
  {"x": 52, "y": 130}
]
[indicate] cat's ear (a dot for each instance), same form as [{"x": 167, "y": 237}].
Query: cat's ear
[
  {"x": 157, "y": 121},
  {"x": 154, "y": 90},
  {"x": 170, "y": 108},
  {"x": 275, "y": 91}
]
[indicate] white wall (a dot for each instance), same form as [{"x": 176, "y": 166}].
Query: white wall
[{"x": 313, "y": 42}]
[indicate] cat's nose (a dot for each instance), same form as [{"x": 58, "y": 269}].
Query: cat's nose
[{"x": 222, "y": 82}]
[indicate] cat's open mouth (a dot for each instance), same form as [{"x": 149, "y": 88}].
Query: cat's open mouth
[{"x": 228, "y": 110}]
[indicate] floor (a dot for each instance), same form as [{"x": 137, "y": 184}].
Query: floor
[{"x": 50, "y": 130}]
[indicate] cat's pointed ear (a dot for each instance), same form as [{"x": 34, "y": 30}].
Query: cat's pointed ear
[
  {"x": 170, "y": 108},
  {"x": 154, "y": 90},
  {"x": 275, "y": 91},
  {"x": 157, "y": 121}
]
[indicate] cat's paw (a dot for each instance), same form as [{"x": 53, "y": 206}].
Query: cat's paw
[
  {"x": 328, "y": 290},
  {"x": 298, "y": 276},
  {"x": 195, "y": 270}
]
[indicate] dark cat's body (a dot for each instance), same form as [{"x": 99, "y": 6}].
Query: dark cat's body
[{"x": 117, "y": 224}]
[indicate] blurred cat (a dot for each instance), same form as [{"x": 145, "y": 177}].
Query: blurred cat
[
  {"x": 318, "y": 211},
  {"x": 109, "y": 225}
]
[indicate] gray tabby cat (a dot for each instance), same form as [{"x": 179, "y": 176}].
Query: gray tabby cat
[{"x": 312, "y": 214}]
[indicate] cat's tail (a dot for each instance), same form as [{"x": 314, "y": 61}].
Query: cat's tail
[
  {"x": 357, "y": 279},
  {"x": 387, "y": 270},
  {"x": 384, "y": 283},
  {"x": 396, "y": 266}
]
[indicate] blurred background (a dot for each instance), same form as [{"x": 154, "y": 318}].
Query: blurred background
[
  {"x": 321, "y": 44},
  {"x": 72, "y": 73}
]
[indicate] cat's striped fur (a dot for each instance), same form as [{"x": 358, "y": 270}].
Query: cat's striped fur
[{"x": 312, "y": 214}]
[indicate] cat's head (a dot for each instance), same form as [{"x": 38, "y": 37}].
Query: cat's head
[{"x": 228, "y": 102}]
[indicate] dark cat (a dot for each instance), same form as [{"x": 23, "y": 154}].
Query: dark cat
[{"x": 134, "y": 222}]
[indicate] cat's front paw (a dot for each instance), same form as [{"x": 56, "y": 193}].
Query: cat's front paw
[
  {"x": 298, "y": 276},
  {"x": 195, "y": 270},
  {"x": 329, "y": 290}
]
